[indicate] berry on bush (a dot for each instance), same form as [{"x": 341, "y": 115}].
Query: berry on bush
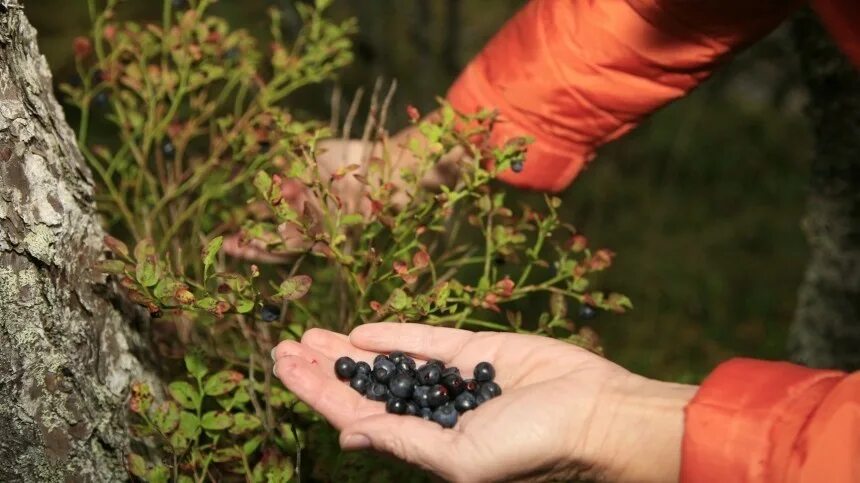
[
  {"x": 270, "y": 313},
  {"x": 432, "y": 391},
  {"x": 587, "y": 312}
]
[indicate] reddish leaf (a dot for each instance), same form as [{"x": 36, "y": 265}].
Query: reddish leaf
[{"x": 421, "y": 259}]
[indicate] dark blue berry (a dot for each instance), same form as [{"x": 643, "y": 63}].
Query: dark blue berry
[
  {"x": 489, "y": 390},
  {"x": 445, "y": 415},
  {"x": 587, "y": 312},
  {"x": 405, "y": 364},
  {"x": 101, "y": 99},
  {"x": 381, "y": 374},
  {"x": 426, "y": 413},
  {"x": 465, "y": 402},
  {"x": 385, "y": 364},
  {"x": 167, "y": 148},
  {"x": 437, "y": 396},
  {"x": 454, "y": 384},
  {"x": 470, "y": 385},
  {"x": 412, "y": 409},
  {"x": 180, "y": 4},
  {"x": 379, "y": 358},
  {"x": 360, "y": 382},
  {"x": 402, "y": 386},
  {"x": 484, "y": 372},
  {"x": 481, "y": 399},
  {"x": 362, "y": 368},
  {"x": 429, "y": 374},
  {"x": 270, "y": 313},
  {"x": 517, "y": 166},
  {"x": 396, "y": 356},
  {"x": 395, "y": 405},
  {"x": 344, "y": 367},
  {"x": 421, "y": 396},
  {"x": 436, "y": 362},
  {"x": 450, "y": 370},
  {"x": 377, "y": 392}
]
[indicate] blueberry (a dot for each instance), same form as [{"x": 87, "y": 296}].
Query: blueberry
[
  {"x": 385, "y": 364},
  {"x": 180, "y": 4},
  {"x": 426, "y": 413},
  {"x": 445, "y": 415},
  {"x": 484, "y": 372},
  {"x": 270, "y": 313},
  {"x": 167, "y": 148},
  {"x": 454, "y": 384},
  {"x": 362, "y": 368},
  {"x": 470, "y": 385},
  {"x": 264, "y": 145},
  {"x": 436, "y": 362},
  {"x": 450, "y": 370},
  {"x": 421, "y": 396},
  {"x": 379, "y": 358},
  {"x": 405, "y": 364},
  {"x": 465, "y": 402},
  {"x": 380, "y": 374},
  {"x": 101, "y": 99},
  {"x": 587, "y": 312},
  {"x": 517, "y": 166},
  {"x": 481, "y": 399},
  {"x": 437, "y": 396},
  {"x": 412, "y": 409},
  {"x": 360, "y": 382},
  {"x": 429, "y": 374},
  {"x": 395, "y": 405},
  {"x": 402, "y": 385},
  {"x": 396, "y": 356},
  {"x": 490, "y": 390},
  {"x": 377, "y": 392},
  {"x": 344, "y": 368}
]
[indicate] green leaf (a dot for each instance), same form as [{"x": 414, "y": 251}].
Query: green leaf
[
  {"x": 227, "y": 454},
  {"x": 166, "y": 417},
  {"x": 195, "y": 365},
  {"x": 184, "y": 394},
  {"x": 111, "y": 266},
  {"x": 216, "y": 420},
  {"x": 185, "y": 479},
  {"x": 244, "y": 306},
  {"x": 295, "y": 287},
  {"x": 244, "y": 422},
  {"x": 209, "y": 254},
  {"x": 263, "y": 183},
  {"x": 136, "y": 465},
  {"x": 178, "y": 441},
  {"x": 143, "y": 249},
  {"x": 400, "y": 300},
  {"x": 206, "y": 303},
  {"x": 251, "y": 445},
  {"x": 221, "y": 383},
  {"x": 280, "y": 474},
  {"x": 352, "y": 219},
  {"x": 158, "y": 474},
  {"x": 148, "y": 271},
  {"x": 189, "y": 425}
]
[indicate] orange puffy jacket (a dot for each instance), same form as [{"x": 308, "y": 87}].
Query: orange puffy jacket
[{"x": 575, "y": 74}]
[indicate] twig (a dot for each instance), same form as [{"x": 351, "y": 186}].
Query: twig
[
  {"x": 336, "y": 96},
  {"x": 350, "y": 117}
]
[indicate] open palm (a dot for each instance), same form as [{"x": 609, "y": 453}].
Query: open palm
[{"x": 554, "y": 419}]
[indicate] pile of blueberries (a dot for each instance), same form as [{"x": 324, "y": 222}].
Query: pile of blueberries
[{"x": 432, "y": 391}]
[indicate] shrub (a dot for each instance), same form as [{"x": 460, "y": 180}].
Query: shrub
[{"x": 186, "y": 126}]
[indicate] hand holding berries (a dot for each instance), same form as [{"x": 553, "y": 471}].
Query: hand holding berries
[{"x": 433, "y": 391}]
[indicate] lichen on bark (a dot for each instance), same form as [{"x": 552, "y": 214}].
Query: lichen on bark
[{"x": 65, "y": 351}]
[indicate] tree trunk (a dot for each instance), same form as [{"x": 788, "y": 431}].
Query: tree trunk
[
  {"x": 65, "y": 350},
  {"x": 826, "y": 330}
]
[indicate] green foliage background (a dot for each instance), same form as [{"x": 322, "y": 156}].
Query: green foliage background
[{"x": 702, "y": 203}]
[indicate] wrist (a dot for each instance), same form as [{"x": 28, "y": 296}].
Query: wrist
[{"x": 641, "y": 426}]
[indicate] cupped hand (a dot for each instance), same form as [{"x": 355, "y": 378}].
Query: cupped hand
[{"x": 564, "y": 412}]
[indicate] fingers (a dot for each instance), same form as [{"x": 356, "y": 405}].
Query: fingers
[
  {"x": 334, "y": 345},
  {"x": 421, "y": 340},
  {"x": 318, "y": 387},
  {"x": 411, "y": 439}
]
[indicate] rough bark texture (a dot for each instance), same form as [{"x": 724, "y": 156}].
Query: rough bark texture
[
  {"x": 826, "y": 330},
  {"x": 65, "y": 360}
]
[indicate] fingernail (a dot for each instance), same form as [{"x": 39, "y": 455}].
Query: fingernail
[{"x": 355, "y": 441}]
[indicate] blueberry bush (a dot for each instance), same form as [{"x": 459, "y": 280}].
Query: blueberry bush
[{"x": 187, "y": 126}]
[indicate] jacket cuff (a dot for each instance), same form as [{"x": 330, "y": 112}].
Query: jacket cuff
[
  {"x": 550, "y": 165},
  {"x": 746, "y": 417}
]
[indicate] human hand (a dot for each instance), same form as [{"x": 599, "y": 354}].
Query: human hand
[{"x": 564, "y": 413}]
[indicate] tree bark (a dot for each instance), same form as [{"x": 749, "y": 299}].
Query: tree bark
[
  {"x": 65, "y": 350},
  {"x": 826, "y": 329}
]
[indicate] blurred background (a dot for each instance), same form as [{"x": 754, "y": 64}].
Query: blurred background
[{"x": 702, "y": 203}]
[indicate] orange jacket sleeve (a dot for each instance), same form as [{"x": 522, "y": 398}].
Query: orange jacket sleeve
[{"x": 758, "y": 421}]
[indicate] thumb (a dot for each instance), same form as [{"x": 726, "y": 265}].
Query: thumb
[{"x": 409, "y": 438}]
